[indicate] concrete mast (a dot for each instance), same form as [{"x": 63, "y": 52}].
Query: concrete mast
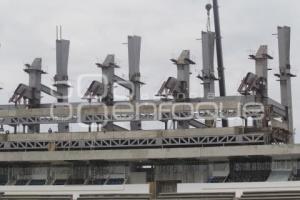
[
  {"x": 61, "y": 78},
  {"x": 35, "y": 83},
  {"x": 261, "y": 70},
  {"x": 284, "y": 35},
  {"x": 183, "y": 77},
  {"x": 134, "y": 54},
  {"x": 208, "y": 76},
  {"x": 108, "y": 73}
]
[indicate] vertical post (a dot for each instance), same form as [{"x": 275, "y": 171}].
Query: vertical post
[
  {"x": 134, "y": 52},
  {"x": 221, "y": 75},
  {"x": 208, "y": 74},
  {"x": 108, "y": 72},
  {"x": 61, "y": 78},
  {"x": 284, "y": 34},
  {"x": 261, "y": 70},
  {"x": 183, "y": 76},
  {"x": 35, "y": 77}
]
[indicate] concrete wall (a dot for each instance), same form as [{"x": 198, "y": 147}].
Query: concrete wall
[
  {"x": 137, "y": 178},
  {"x": 238, "y": 188},
  {"x": 76, "y": 190},
  {"x": 183, "y": 173}
]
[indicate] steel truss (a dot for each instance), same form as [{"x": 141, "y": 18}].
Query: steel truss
[
  {"x": 120, "y": 117},
  {"x": 89, "y": 114},
  {"x": 113, "y": 143}
]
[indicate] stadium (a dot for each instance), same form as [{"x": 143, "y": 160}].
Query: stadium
[{"x": 176, "y": 145}]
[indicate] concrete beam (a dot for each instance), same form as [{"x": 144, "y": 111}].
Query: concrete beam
[
  {"x": 121, "y": 134},
  {"x": 206, "y": 153}
]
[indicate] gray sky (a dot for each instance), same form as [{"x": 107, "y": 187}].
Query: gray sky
[{"x": 99, "y": 27}]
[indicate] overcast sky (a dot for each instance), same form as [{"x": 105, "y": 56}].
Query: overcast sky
[{"x": 99, "y": 27}]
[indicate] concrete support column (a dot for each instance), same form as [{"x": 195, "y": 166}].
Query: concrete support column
[
  {"x": 183, "y": 77},
  {"x": 35, "y": 77},
  {"x": 284, "y": 34},
  {"x": 108, "y": 72},
  {"x": 261, "y": 70},
  {"x": 208, "y": 73},
  {"x": 134, "y": 53},
  {"x": 61, "y": 78}
]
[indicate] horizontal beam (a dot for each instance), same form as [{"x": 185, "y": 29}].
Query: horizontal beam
[
  {"x": 44, "y": 142},
  {"x": 201, "y": 153},
  {"x": 121, "y": 134},
  {"x": 224, "y": 107}
]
